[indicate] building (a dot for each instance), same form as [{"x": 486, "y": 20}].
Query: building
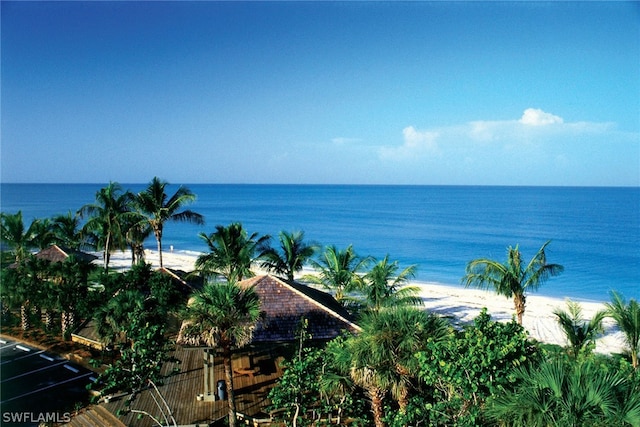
[{"x": 191, "y": 389}]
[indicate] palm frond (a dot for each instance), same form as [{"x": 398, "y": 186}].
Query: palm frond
[{"x": 627, "y": 317}]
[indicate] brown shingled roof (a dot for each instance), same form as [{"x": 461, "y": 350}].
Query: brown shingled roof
[
  {"x": 186, "y": 282},
  {"x": 284, "y": 304},
  {"x": 55, "y": 253}
]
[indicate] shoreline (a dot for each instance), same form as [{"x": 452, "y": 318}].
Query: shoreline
[
  {"x": 185, "y": 260},
  {"x": 460, "y": 303}
]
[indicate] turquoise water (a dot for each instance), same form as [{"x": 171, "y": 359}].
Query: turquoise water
[{"x": 595, "y": 232}]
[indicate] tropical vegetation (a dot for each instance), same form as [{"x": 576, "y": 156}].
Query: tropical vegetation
[
  {"x": 232, "y": 250},
  {"x": 67, "y": 231},
  {"x": 561, "y": 393},
  {"x": 134, "y": 321},
  {"x": 627, "y": 317},
  {"x": 339, "y": 271},
  {"x": 223, "y": 315},
  {"x": 157, "y": 208},
  {"x": 14, "y": 235},
  {"x": 385, "y": 285},
  {"x": 290, "y": 257},
  {"x": 581, "y": 334},
  {"x": 107, "y": 217},
  {"x": 513, "y": 278}
]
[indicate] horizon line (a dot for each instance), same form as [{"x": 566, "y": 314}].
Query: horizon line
[{"x": 337, "y": 184}]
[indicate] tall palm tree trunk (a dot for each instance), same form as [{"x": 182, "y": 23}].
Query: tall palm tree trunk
[
  {"x": 48, "y": 319},
  {"x": 376, "y": 395},
  {"x": 137, "y": 253},
  {"x": 67, "y": 322},
  {"x": 403, "y": 400},
  {"x": 107, "y": 253},
  {"x": 158, "y": 233},
  {"x": 228, "y": 372},
  {"x": 519, "y": 303},
  {"x": 64, "y": 322},
  {"x": 133, "y": 254},
  {"x": 24, "y": 316},
  {"x": 4, "y": 310}
]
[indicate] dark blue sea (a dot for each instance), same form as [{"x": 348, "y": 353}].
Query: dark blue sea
[{"x": 595, "y": 232}]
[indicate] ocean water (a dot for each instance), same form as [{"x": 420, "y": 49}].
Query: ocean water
[{"x": 595, "y": 232}]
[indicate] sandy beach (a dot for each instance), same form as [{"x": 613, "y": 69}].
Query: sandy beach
[{"x": 463, "y": 305}]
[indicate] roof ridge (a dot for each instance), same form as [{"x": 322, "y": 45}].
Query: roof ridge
[
  {"x": 314, "y": 301},
  {"x": 61, "y": 250}
]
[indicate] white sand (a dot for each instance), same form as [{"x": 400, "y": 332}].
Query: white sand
[
  {"x": 539, "y": 320},
  {"x": 463, "y": 304}
]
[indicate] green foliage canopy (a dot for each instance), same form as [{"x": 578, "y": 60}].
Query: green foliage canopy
[{"x": 468, "y": 366}]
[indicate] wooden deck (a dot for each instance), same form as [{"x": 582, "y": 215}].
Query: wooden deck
[
  {"x": 257, "y": 370},
  {"x": 94, "y": 416},
  {"x": 87, "y": 335}
]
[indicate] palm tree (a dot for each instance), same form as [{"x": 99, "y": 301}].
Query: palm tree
[
  {"x": 556, "y": 393},
  {"x": 113, "y": 317},
  {"x": 223, "y": 315},
  {"x": 512, "y": 279},
  {"x": 581, "y": 334},
  {"x": 231, "y": 252},
  {"x": 159, "y": 208},
  {"x": 335, "y": 383},
  {"x": 26, "y": 286},
  {"x": 137, "y": 233},
  {"x": 385, "y": 286},
  {"x": 43, "y": 235},
  {"x": 339, "y": 271},
  {"x": 627, "y": 317},
  {"x": 70, "y": 279},
  {"x": 14, "y": 235},
  {"x": 380, "y": 358},
  {"x": 108, "y": 218},
  {"x": 67, "y": 230},
  {"x": 291, "y": 257}
]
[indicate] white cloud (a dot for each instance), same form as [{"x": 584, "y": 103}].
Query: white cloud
[
  {"x": 537, "y": 117},
  {"x": 485, "y": 130},
  {"x": 532, "y": 125},
  {"x": 416, "y": 143},
  {"x": 589, "y": 127},
  {"x": 416, "y": 139},
  {"x": 535, "y": 129},
  {"x": 343, "y": 140}
]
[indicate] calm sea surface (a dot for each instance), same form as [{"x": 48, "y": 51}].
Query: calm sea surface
[{"x": 595, "y": 232}]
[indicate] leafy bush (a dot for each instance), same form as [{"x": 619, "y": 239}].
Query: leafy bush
[
  {"x": 562, "y": 393},
  {"x": 461, "y": 372}
]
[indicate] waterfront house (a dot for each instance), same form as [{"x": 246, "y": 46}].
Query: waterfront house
[{"x": 191, "y": 389}]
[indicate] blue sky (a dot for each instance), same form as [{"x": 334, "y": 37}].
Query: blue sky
[{"x": 486, "y": 93}]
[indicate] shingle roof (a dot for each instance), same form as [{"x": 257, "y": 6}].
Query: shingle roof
[
  {"x": 284, "y": 304},
  {"x": 186, "y": 282},
  {"x": 55, "y": 253}
]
